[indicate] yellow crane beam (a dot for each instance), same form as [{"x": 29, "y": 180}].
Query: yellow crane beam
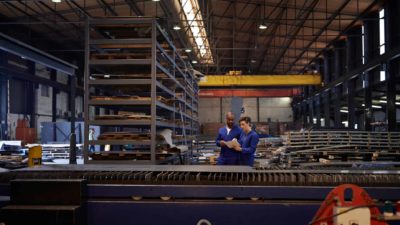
[{"x": 259, "y": 80}]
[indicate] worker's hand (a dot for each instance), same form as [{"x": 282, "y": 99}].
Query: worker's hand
[
  {"x": 238, "y": 148},
  {"x": 222, "y": 143}
]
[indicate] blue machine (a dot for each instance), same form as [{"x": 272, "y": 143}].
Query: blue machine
[{"x": 122, "y": 194}]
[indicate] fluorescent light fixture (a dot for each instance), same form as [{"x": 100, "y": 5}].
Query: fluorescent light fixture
[
  {"x": 344, "y": 111},
  {"x": 382, "y": 48},
  {"x": 188, "y": 50},
  {"x": 382, "y": 101},
  {"x": 155, "y": 0},
  {"x": 194, "y": 62},
  {"x": 107, "y": 76},
  {"x": 253, "y": 61},
  {"x": 262, "y": 26},
  {"x": 374, "y": 106},
  {"x": 176, "y": 27},
  {"x": 56, "y": 1},
  {"x": 382, "y": 75},
  {"x": 198, "y": 37}
]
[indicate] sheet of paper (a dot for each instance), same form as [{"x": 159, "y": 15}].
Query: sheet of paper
[{"x": 232, "y": 144}]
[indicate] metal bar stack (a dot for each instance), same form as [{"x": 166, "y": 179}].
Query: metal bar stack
[
  {"x": 135, "y": 80},
  {"x": 310, "y": 146}
]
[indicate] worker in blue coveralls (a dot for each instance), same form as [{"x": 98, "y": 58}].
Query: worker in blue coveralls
[
  {"x": 248, "y": 142},
  {"x": 228, "y": 156}
]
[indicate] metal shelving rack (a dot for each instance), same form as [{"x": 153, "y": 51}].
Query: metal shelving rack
[{"x": 134, "y": 57}]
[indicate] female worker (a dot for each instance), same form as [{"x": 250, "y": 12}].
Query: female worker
[{"x": 248, "y": 142}]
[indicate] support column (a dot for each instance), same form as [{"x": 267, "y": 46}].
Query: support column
[
  {"x": 327, "y": 66},
  {"x": 3, "y": 108},
  {"x": 318, "y": 110},
  {"x": 72, "y": 153},
  {"x": 391, "y": 70},
  {"x": 304, "y": 113},
  {"x": 392, "y": 11},
  {"x": 310, "y": 104},
  {"x": 31, "y": 90},
  {"x": 327, "y": 110},
  {"x": 351, "y": 116},
  {"x": 354, "y": 48},
  {"x": 337, "y": 106},
  {"x": 371, "y": 36},
  {"x": 53, "y": 77},
  {"x": 368, "y": 102},
  {"x": 339, "y": 59},
  {"x": 258, "y": 109}
]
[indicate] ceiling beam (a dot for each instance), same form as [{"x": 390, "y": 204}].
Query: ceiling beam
[
  {"x": 321, "y": 31},
  {"x": 273, "y": 31},
  {"x": 295, "y": 32}
]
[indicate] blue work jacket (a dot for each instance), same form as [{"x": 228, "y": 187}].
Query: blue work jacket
[{"x": 228, "y": 156}]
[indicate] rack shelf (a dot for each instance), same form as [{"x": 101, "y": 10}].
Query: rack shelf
[{"x": 132, "y": 68}]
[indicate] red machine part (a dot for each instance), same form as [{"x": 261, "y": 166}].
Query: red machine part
[{"x": 336, "y": 197}]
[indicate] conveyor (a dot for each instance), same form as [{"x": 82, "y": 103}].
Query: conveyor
[{"x": 117, "y": 194}]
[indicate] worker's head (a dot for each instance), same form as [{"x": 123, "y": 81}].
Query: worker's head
[
  {"x": 230, "y": 119},
  {"x": 245, "y": 124}
]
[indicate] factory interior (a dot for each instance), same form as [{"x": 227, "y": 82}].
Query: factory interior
[{"x": 199, "y": 112}]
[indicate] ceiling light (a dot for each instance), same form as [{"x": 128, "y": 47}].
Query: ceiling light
[
  {"x": 176, "y": 27},
  {"x": 194, "y": 62},
  {"x": 56, "y": 1},
  {"x": 155, "y": 0},
  {"x": 107, "y": 76},
  {"x": 253, "y": 61},
  {"x": 188, "y": 50},
  {"x": 344, "y": 111},
  {"x": 198, "y": 34},
  {"x": 376, "y": 106},
  {"x": 262, "y": 26}
]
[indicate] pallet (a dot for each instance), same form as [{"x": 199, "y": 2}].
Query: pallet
[
  {"x": 133, "y": 97},
  {"x": 123, "y": 136},
  {"x": 110, "y": 117}
]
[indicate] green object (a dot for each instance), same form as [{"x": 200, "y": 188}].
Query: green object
[{"x": 388, "y": 208}]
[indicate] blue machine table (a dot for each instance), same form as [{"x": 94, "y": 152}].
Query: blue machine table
[{"x": 139, "y": 194}]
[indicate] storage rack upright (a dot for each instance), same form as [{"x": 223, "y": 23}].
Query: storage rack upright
[{"x": 131, "y": 67}]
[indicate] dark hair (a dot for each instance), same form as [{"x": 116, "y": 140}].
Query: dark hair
[{"x": 245, "y": 119}]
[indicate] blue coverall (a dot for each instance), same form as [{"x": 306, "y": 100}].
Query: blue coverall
[
  {"x": 249, "y": 144},
  {"x": 228, "y": 156}
]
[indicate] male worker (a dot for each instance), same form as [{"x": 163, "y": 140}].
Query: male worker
[
  {"x": 231, "y": 131},
  {"x": 248, "y": 142}
]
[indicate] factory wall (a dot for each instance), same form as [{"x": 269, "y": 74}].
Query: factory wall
[
  {"x": 42, "y": 109},
  {"x": 212, "y": 110},
  {"x": 360, "y": 74}
]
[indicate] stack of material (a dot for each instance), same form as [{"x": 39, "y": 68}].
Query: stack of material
[
  {"x": 59, "y": 151},
  {"x": 207, "y": 152},
  {"x": 24, "y": 133},
  {"x": 11, "y": 154},
  {"x": 124, "y": 136},
  {"x": 326, "y": 146}
]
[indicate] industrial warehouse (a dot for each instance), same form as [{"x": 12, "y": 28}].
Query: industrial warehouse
[{"x": 199, "y": 112}]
